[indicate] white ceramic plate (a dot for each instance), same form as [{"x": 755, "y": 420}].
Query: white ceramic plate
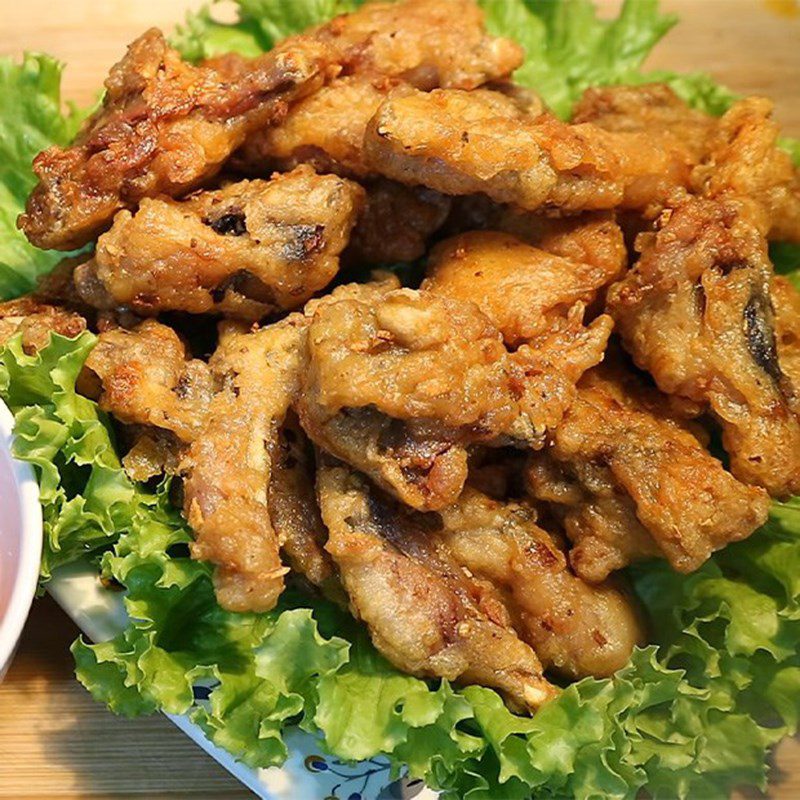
[{"x": 20, "y": 541}]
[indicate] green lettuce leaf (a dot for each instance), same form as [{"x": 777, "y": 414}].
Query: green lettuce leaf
[
  {"x": 31, "y": 119},
  {"x": 693, "y": 715}
]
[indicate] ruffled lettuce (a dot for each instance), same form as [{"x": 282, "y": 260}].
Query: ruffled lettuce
[
  {"x": 693, "y": 715},
  {"x": 31, "y": 119}
]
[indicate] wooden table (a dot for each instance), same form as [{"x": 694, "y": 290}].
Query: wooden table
[{"x": 54, "y": 740}]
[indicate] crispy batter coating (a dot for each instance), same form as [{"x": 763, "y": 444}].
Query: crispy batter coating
[
  {"x": 228, "y": 468},
  {"x": 576, "y": 628},
  {"x": 36, "y": 320},
  {"x": 524, "y": 290},
  {"x": 744, "y": 160},
  {"x": 427, "y": 43},
  {"x": 481, "y": 141},
  {"x": 396, "y": 224},
  {"x": 293, "y": 509},
  {"x": 165, "y": 126},
  {"x": 424, "y": 612},
  {"x": 786, "y": 303},
  {"x": 152, "y": 452},
  {"x": 537, "y": 301},
  {"x": 245, "y": 250},
  {"x": 145, "y": 376},
  {"x": 696, "y": 313},
  {"x": 651, "y": 108},
  {"x": 400, "y": 381},
  {"x": 630, "y": 481}
]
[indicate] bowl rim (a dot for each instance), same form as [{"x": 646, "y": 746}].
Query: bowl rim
[{"x": 27, "y": 575}]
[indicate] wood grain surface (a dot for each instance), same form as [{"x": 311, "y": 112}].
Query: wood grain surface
[{"x": 55, "y": 742}]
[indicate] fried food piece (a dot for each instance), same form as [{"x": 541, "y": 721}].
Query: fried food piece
[
  {"x": 325, "y": 129},
  {"x": 525, "y": 291},
  {"x": 591, "y": 238},
  {"x": 396, "y": 224},
  {"x": 152, "y": 452},
  {"x": 427, "y": 43},
  {"x": 36, "y": 320},
  {"x": 651, "y": 108},
  {"x": 631, "y": 481},
  {"x": 165, "y": 126},
  {"x": 744, "y": 160},
  {"x": 246, "y": 250},
  {"x": 536, "y": 300},
  {"x": 576, "y": 628},
  {"x": 425, "y": 613},
  {"x": 293, "y": 509},
  {"x": 696, "y": 313},
  {"x": 399, "y": 381},
  {"x": 470, "y": 142},
  {"x": 786, "y": 303},
  {"x": 229, "y": 467},
  {"x": 145, "y": 376}
]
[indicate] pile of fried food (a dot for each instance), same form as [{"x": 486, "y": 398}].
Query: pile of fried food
[{"x": 465, "y": 464}]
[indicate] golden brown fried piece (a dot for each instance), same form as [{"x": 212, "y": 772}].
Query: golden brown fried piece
[
  {"x": 400, "y": 381},
  {"x": 629, "y": 481},
  {"x": 786, "y": 303},
  {"x": 652, "y": 108},
  {"x": 427, "y": 43},
  {"x": 152, "y": 452},
  {"x": 396, "y": 223},
  {"x": 576, "y": 628},
  {"x": 293, "y": 509},
  {"x": 524, "y": 290},
  {"x": 744, "y": 160},
  {"x": 245, "y": 250},
  {"x": 424, "y": 612},
  {"x": 696, "y": 313},
  {"x": 164, "y": 127},
  {"x": 536, "y": 300},
  {"x": 36, "y": 320},
  {"x": 228, "y": 468},
  {"x": 145, "y": 376},
  {"x": 470, "y": 142}
]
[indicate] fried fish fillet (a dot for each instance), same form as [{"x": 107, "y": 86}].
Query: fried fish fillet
[
  {"x": 575, "y": 628},
  {"x": 145, "y": 376},
  {"x": 165, "y": 126},
  {"x": 228, "y": 467},
  {"x": 35, "y": 320},
  {"x": 471, "y": 142},
  {"x": 696, "y": 312},
  {"x": 630, "y": 481},
  {"x": 248, "y": 249},
  {"x": 400, "y": 381},
  {"x": 425, "y": 613}
]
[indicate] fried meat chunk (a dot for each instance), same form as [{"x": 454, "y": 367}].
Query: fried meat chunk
[
  {"x": 400, "y": 381},
  {"x": 651, "y": 108},
  {"x": 145, "y": 376},
  {"x": 165, "y": 126},
  {"x": 248, "y": 249},
  {"x": 424, "y": 612},
  {"x": 576, "y": 628},
  {"x": 696, "y": 313},
  {"x": 744, "y": 159},
  {"x": 35, "y": 320},
  {"x": 294, "y": 512},
  {"x": 471, "y": 142},
  {"x": 786, "y": 303},
  {"x": 630, "y": 481},
  {"x": 537, "y": 301},
  {"x": 228, "y": 468},
  {"x": 524, "y": 290}
]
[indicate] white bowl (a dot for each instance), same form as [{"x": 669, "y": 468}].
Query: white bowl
[{"x": 20, "y": 541}]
